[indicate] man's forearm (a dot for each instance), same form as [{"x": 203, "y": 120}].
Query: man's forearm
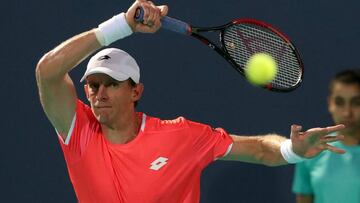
[
  {"x": 257, "y": 149},
  {"x": 63, "y": 58}
]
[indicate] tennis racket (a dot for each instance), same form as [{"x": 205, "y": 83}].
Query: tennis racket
[{"x": 239, "y": 40}]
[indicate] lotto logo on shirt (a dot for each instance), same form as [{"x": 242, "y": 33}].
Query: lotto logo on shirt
[{"x": 158, "y": 163}]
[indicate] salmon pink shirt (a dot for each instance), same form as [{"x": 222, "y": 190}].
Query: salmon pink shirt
[{"x": 162, "y": 164}]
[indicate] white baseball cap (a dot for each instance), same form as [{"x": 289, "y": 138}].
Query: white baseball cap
[{"x": 115, "y": 63}]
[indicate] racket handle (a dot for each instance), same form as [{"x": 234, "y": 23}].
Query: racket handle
[{"x": 167, "y": 23}]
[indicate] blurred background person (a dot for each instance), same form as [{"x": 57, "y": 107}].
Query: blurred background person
[{"x": 331, "y": 178}]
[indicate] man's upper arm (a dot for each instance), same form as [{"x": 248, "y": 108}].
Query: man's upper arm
[
  {"x": 302, "y": 180},
  {"x": 58, "y": 98},
  {"x": 57, "y": 92}
]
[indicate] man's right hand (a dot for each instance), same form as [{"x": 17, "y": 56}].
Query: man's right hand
[{"x": 152, "y": 16}]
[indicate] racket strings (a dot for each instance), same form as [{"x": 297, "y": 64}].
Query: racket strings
[{"x": 244, "y": 40}]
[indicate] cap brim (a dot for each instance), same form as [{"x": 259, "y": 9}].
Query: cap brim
[{"x": 116, "y": 75}]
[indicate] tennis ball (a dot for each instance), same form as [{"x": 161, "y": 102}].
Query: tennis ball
[{"x": 260, "y": 69}]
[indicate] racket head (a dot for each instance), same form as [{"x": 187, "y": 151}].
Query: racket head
[{"x": 242, "y": 38}]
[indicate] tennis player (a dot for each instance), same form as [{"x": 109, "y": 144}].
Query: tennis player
[{"x": 116, "y": 154}]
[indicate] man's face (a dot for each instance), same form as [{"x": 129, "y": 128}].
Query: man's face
[
  {"x": 344, "y": 106},
  {"x": 110, "y": 99}
]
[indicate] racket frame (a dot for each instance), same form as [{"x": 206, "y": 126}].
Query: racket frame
[
  {"x": 181, "y": 27},
  {"x": 195, "y": 32}
]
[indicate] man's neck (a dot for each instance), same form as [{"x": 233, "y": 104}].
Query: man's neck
[
  {"x": 124, "y": 131},
  {"x": 351, "y": 138}
]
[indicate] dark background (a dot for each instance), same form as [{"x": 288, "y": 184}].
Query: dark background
[{"x": 181, "y": 77}]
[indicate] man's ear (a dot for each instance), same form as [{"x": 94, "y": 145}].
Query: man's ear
[
  {"x": 137, "y": 91},
  {"x": 86, "y": 91}
]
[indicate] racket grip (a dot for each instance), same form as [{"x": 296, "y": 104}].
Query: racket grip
[
  {"x": 167, "y": 23},
  {"x": 175, "y": 25}
]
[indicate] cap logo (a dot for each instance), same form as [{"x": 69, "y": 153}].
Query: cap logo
[{"x": 105, "y": 57}]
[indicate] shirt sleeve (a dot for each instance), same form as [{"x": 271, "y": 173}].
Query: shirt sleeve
[
  {"x": 302, "y": 181},
  {"x": 209, "y": 143},
  {"x": 80, "y": 133}
]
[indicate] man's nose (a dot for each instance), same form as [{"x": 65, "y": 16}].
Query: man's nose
[
  {"x": 101, "y": 94},
  {"x": 347, "y": 110}
]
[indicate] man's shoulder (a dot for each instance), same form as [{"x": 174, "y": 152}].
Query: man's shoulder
[
  {"x": 158, "y": 123},
  {"x": 180, "y": 122}
]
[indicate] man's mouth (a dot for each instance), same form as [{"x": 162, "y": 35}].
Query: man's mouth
[
  {"x": 347, "y": 123},
  {"x": 102, "y": 107}
]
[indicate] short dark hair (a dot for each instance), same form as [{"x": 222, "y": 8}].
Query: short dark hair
[
  {"x": 132, "y": 82},
  {"x": 350, "y": 76}
]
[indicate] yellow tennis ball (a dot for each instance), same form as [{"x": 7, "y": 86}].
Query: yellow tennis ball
[{"x": 260, "y": 69}]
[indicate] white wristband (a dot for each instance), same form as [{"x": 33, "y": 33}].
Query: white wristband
[
  {"x": 288, "y": 154},
  {"x": 113, "y": 29}
]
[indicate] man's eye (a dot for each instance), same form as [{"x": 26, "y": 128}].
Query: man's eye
[
  {"x": 355, "y": 102},
  {"x": 339, "y": 102},
  {"x": 93, "y": 86},
  {"x": 112, "y": 84}
]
